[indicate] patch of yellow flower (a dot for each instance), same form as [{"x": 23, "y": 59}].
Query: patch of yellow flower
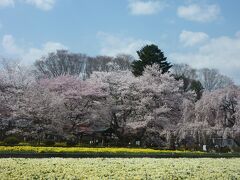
[{"x": 85, "y": 150}]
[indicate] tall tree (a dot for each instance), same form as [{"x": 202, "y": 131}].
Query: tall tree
[
  {"x": 191, "y": 85},
  {"x": 214, "y": 115},
  {"x": 184, "y": 70},
  {"x": 60, "y": 64},
  {"x": 211, "y": 79},
  {"x": 64, "y": 63},
  {"x": 149, "y": 55},
  {"x": 146, "y": 108}
]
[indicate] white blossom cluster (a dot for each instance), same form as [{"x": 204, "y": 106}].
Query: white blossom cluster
[
  {"x": 153, "y": 108},
  {"x": 110, "y": 168}
]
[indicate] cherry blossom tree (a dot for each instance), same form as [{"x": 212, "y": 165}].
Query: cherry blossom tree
[
  {"x": 153, "y": 108},
  {"x": 215, "y": 115},
  {"x": 14, "y": 79},
  {"x": 146, "y": 107},
  {"x": 78, "y": 102}
]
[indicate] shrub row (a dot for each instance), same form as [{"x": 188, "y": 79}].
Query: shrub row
[{"x": 13, "y": 141}]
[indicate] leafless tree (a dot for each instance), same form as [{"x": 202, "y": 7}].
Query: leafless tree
[
  {"x": 65, "y": 63},
  {"x": 211, "y": 79},
  {"x": 61, "y": 63},
  {"x": 184, "y": 70}
]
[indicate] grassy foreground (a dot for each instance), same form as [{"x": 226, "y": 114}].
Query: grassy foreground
[{"x": 110, "y": 168}]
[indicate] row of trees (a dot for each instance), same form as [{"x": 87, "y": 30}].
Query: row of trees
[
  {"x": 64, "y": 63},
  {"x": 210, "y": 79},
  {"x": 154, "y": 105}
]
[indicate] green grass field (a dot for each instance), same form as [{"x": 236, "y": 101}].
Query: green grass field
[{"x": 118, "y": 168}]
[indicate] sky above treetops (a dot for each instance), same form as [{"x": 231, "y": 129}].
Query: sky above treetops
[{"x": 201, "y": 33}]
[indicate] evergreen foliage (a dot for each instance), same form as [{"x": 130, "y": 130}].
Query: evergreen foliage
[{"x": 149, "y": 55}]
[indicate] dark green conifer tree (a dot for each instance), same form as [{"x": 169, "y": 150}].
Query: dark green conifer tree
[{"x": 149, "y": 55}]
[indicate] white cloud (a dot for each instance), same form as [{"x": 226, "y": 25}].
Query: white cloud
[
  {"x": 42, "y": 4},
  {"x": 6, "y": 3},
  {"x": 10, "y": 46},
  {"x": 238, "y": 34},
  {"x": 115, "y": 44},
  {"x": 222, "y": 53},
  {"x": 199, "y": 13},
  {"x": 189, "y": 38},
  {"x": 140, "y": 7},
  {"x": 32, "y": 54},
  {"x": 29, "y": 55}
]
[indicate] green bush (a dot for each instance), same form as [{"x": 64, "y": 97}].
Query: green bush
[
  {"x": 225, "y": 149},
  {"x": 33, "y": 143},
  {"x": 23, "y": 144},
  {"x": 1, "y": 143},
  {"x": 60, "y": 144},
  {"x": 71, "y": 142},
  {"x": 236, "y": 149},
  {"x": 11, "y": 141},
  {"x": 49, "y": 143}
]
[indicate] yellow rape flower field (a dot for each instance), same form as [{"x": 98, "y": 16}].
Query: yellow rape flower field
[
  {"x": 120, "y": 168},
  {"x": 86, "y": 150}
]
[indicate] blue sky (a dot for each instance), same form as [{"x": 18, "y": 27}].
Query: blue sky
[{"x": 202, "y": 33}]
